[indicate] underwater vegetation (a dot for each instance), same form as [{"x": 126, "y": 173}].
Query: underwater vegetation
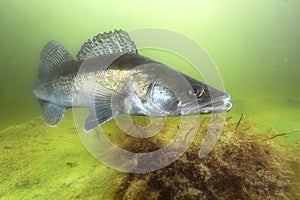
[
  {"x": 245, "y": 164},
  {"x": 46, "y": 163},
  {"x": 255, "y": 46}
]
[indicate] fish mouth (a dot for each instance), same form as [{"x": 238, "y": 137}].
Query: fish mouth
[{"x": 216, "y": 105}]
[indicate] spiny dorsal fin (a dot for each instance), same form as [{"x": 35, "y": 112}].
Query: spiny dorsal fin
[
  {"x": 107, "y": 43},
  {"x": 53, "y": 55}
]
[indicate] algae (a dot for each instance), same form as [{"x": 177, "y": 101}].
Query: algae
[
  {"x": 39, "y": 162},
  {"x": 245, "y": 164}
]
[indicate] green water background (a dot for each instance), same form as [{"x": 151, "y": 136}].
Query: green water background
[{"x": 255, "y": 44}]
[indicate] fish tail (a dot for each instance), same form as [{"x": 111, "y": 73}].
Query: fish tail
[{"x": 52, "y": 56}]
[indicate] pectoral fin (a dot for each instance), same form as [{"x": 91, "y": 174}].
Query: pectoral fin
[{"x": 101, "y": 112}]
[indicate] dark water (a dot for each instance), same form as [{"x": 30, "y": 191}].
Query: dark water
[{"x": 255, "y": 45}]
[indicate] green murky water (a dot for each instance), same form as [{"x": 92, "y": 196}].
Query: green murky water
[{"x": 255, "y": 45}]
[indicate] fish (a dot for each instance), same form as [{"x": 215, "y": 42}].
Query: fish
[{"x": 110, "y": 77}]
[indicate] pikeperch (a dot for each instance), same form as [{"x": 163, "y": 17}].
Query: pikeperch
[{"x": 111, "y": 78}]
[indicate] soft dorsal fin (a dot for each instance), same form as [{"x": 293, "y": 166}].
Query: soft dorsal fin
[
  {"x": 53, "y": 55},
  {"x": 107, "y": 43}
]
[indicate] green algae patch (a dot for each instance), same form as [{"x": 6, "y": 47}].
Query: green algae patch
[{"x": 39, "y": 162}]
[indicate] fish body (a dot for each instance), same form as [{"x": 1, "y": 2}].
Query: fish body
[{"x": 111, "y": 78}]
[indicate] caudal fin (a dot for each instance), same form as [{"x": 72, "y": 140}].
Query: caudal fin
[
  {"x": 52, "y": 56},
  {"x": 52, "y": 113}
]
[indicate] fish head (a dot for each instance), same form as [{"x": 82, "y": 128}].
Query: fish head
[
  {"x": 155, "y": 89},
  {"x": 209, "y": 99},
  {"x": 188, "y": 98}
]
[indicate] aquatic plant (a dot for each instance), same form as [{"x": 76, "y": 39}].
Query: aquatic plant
[
  {"x": 38, "y": 162},
  {"x": 245, "y": 164}
]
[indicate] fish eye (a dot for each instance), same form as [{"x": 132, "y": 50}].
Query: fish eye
[{"x": 196, "y": 92}]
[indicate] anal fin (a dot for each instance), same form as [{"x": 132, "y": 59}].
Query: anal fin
[{"x": 52, "y": 113}]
